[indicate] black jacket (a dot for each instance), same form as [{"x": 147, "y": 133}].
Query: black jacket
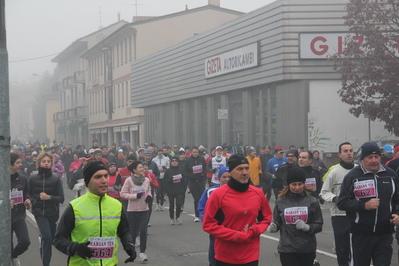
[
  {"x": 51, "y": 185},
  {"x": 188, "y": 169},
  {"x": 293, "y": 240},
  {"x": 19, "y": 183},
  {"x": 361, "y": 185},
  {"x": 175, "y": 181}
]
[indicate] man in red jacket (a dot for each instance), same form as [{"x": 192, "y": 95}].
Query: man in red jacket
[{"x": 236, "y": 215}]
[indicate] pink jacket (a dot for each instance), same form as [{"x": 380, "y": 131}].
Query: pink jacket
[{"x": 129, "y": 191}]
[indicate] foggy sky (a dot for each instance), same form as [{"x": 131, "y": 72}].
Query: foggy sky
[{"x": 41, "y": 28}]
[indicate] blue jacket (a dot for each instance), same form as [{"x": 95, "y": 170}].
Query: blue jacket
[{"x": 204, "y": 198}]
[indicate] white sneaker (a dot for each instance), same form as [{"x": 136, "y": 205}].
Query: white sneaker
[
  {"x": 137, "y": 242},
  {"x": 143, "y": 257},
  {"x": 179, "y": 221},
  {"x": 172, "y": 222},
  {"x": 158, "y": 208},
  {"x": 15, "y": 262},
  {"x": 161, "y": 208},
  {"x": 196, "y": 220},
  {"x": 149, "y": 225}
]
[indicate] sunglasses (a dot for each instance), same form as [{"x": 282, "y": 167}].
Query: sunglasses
[
  {"x": 281, "y": 152},
  {"x": 174, "y": 161}
]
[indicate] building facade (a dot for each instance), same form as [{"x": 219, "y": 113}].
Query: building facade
[
  {"x": 111, "y": 116},
  {"x": 71, "y": 121},
  {"x": 262, "y": 78}
]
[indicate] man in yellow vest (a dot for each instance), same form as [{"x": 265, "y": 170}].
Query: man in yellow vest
[{"x": 89, "y": 226}]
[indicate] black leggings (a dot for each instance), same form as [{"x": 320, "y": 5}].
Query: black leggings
[
  {"x": 21, "y": 232},
  {"x": 179, "y": 202},
  {"x": 297, "y": 259},
  {"x": 161, "y": 192},
  {"x": 138, "y": 222},
  {"x": 196, "y": 189}
]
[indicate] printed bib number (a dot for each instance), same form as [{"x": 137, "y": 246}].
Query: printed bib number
[
  {"x": 294, "y": 214},
  {"x": 102, "y": 247},
  {"x": 311, "y": 182},
  {"x": 177, "y": 178},
  {"x": 161, "y": 170},
  {"x": 139, "y": 190},
  {"x": 215, "y": 179},
  {"x": 197, "y": 169},
  {"x": 17, "y": 196},
  {"x": 364, "y": 189}
]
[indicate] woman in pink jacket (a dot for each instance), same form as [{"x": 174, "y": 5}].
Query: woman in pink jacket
[{"x": 137, "y": 190}]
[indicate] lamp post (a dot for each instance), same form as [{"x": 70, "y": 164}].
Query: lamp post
[{"x": 5, "y": 224}]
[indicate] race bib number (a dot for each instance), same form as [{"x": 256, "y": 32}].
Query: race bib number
[
  {"x": 161, "y": 170},
  {"x": 177, "y": 178},
  {"x": 197, "y": 169},
  {"x": 139, "y": 190},
  {"x": 294, "y": 214},
  {"x": 215, "y": 179},
  {"x": 102, "y": 247},
  {"x": 17, "y": 196},
  {"x": 364, "y": 189},
  {"x": 311, "y": 182},
  {"x": 112, "y": 191}
]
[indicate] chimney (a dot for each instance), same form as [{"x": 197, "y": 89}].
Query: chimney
[
  {"x": 119, "y": 16},
  {"x": 214, "y": 2}
]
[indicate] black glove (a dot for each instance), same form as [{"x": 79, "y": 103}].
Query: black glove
[
  {"x": 83, "y": 251},
  {"x": 214, "y": 170},
  {"x": 148, "y": 199},
  {"x": 164, "y": 167},
  {"x": 131, "y": 252},
  {"x": 139, "y": 195}
]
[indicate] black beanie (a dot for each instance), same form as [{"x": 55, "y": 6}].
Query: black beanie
[
  {"x": 294, "y": 152},
  {"x": 295, "y": 174},
  {"x": 369, "y": 148},
  {"x": 91, "y": 168},
  {"x": 235, "y": 160}
]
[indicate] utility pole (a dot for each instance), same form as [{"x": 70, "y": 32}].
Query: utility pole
[{"x": 5, "y": 211}]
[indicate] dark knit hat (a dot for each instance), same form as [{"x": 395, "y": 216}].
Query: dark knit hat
[
  {"x": 250, "y": 149},
  {"x": 235, "y": 160},
  {"x": 293, "y": 151},
  {"x": 91, "y": 168},
  {"x": 369, "y": 148},
  {"x": 295, "y": 174},
  {"x": 131, "y": 157}
]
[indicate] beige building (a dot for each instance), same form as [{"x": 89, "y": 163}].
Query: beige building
[
  {"x": 70, "y": 121},
  {"x": 110, "y": 115}
]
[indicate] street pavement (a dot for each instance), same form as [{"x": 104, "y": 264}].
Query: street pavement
[{"x": 187, "y": 244}]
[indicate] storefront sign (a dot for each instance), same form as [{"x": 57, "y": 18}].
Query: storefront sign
[
  {"x": 324, "y": 45},
  {"x": 235, "y": 60}
]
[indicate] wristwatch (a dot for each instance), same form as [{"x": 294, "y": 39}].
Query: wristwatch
[{"x": 49, "y": 197}]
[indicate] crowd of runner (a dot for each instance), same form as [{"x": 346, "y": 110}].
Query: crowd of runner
[{"x": 145, "y": 177}]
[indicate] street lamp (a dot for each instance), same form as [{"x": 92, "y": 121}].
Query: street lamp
[{"x": 367, "y": 115}]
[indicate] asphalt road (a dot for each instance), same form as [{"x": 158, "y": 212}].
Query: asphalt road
[{"x": 187, "y": 244}]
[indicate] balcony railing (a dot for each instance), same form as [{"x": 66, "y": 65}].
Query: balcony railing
[
  {"x": 79, "y": 77},
  {"x": 68, "y": 82}
]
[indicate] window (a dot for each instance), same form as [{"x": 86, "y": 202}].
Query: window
[
  {"x": 121, "y": 53},
  {"x": 125, "y": 50},
  {"x": 127, "y": 94},
  {"x": 119, "y": 96},
  {"x": 130, "y": 48},
  {"x": 114, "y": 97},
  {"x": 117, "y": 54},
  {"x": 123, "y": 94}
]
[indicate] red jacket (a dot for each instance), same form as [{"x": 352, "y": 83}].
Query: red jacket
[
  {"x": 232, "y": 244},
  {"x": 125, "y": 173}
]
